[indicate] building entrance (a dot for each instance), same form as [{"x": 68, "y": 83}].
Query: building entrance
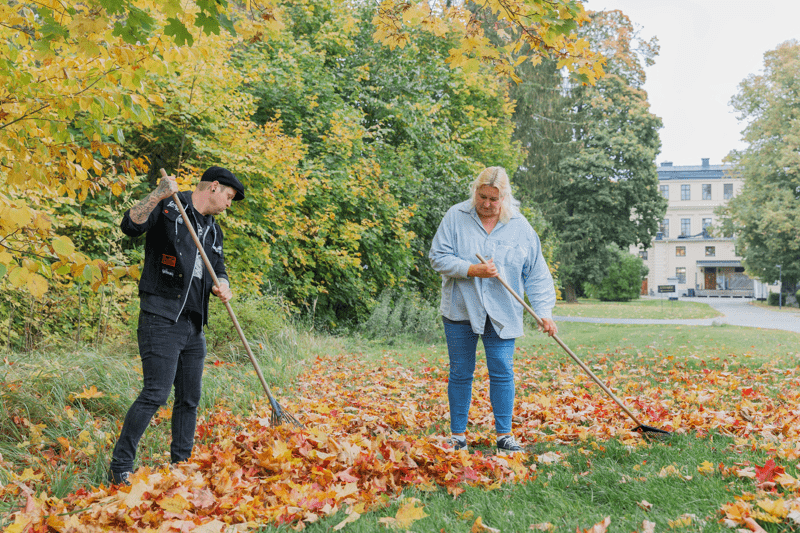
[{"x": 711, "y": 278}]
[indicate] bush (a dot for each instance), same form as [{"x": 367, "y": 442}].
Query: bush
[
  {"x": 262, "y": 318},
  {"x": 623, "y": 279},
  {"x": 403, "y": 315},
  {"x": 772, "y": 299}
]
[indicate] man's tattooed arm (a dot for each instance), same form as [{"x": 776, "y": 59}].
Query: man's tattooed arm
[{"x": 142, "y": 210}]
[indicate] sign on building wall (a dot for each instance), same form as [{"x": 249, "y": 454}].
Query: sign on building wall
[{"x": 666, "y": 288}]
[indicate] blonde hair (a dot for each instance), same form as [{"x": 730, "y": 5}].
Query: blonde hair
[{"x": 496, "y": 177}]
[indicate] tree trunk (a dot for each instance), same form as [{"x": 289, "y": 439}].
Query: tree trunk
[{"x": 569, "y": 293}]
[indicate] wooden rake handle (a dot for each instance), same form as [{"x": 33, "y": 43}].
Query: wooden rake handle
[
  {"x": 566, "y": 348},
  {"x": 210, "y": 269}
]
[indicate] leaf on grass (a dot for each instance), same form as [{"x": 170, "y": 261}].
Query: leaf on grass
[
  {"x": 91, "y": 392},
  {"x": 408, "y": 513},
  {"x": 545, "y": 526},
  {"x": 768, "y": 471},
  {"x": 352, "y": 517},
  {"x": 706, "y": 468},
  {"x": 776, "y": 508},
  {"x": 549, "y": 458},
  {"x": 478, "y": 526},
  {"x": 600, "y": 527},
  {"x": 648, "y": 527},
  {"x": 644, "y": 504}
]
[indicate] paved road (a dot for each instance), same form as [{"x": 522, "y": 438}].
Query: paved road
[{"x": 736, "y": 311}]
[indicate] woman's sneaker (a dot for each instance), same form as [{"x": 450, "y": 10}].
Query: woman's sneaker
[
  {"x": 507, "y": 444},
  {"x": 458, "y": 442}
]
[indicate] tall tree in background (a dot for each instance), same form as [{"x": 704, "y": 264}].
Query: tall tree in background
[
  {"x": 765, "y": 216},
  {"x": 596, "y": 177}
]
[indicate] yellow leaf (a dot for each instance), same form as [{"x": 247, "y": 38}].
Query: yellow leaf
[
  {"x": 18, "y": 277},
  {"x": 410, "y": 513},
  {"x": 63, "y": 246},
  {"x": 19, "y": 525},
  {"x": 134, "y": 497},
  {"x": 774, "y": 507},
  {"x": 705, "y": 468},
  {"x": 174, "y": 504},
  {"x": 479, "y": 527},
  {"x": 91, "y": 392},
  {"x": 37, "y": 285}
]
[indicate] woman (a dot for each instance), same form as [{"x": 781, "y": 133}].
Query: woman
[{"x": 475, "y": 305}]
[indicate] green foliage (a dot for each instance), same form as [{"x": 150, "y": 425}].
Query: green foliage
[
  {"x": 773, "y": 298},
  {"x": 601, "y": 187},
  {"x": 765, "y": 215},
  {"x": 403, "y": 315},
  {"x": 623, "y": 279},
  {"x": 262, "y": 318}
]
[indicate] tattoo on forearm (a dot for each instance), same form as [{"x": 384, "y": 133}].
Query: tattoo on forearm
[{"x": 142, "y": 210}]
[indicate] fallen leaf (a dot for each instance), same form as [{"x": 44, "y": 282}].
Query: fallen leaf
[
  {"x": 644, "y": 504},
  {"x": 352, "y": 517},
  {"x": 91, "y": 392},
  {"x": 479, "y": 526}
]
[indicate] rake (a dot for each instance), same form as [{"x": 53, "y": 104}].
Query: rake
[
  {"x": 279, "y": 414},
  {"x": 639, "y": 426}
]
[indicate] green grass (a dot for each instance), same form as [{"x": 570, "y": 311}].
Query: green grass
[
  {"x": 589, "y": 484},
  {"x": 578, "y": 492},
  {"x": 658, "y": 309}
]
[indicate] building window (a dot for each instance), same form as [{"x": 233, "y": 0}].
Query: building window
[
  {"x": 664, "y": 228},
  {"x": 707, "y": 191},
  {"x": 686, "y": 192},
  {"x": 711, "y": 251},
  {"x": 706, "y": 227},
  {"x": 686, "y": 226},
  {"x": 680, "y": 251},
  {"x": 680, "y": 273},
  {"x": 665, "y": 191},
  {"x": 643, "y": 255},
  {"x": 727, "y": 191}
]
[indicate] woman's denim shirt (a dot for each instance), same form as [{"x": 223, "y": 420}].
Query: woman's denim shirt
[{"x": 517, "y": 253}]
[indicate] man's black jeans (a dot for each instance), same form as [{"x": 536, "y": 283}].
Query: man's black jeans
[{"x": 172, "y": 354}]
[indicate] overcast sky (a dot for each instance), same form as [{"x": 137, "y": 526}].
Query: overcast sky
[{"x": 707, "y": 48}]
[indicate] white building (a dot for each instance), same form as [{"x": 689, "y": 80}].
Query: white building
[{"x": 684, "y": 253}]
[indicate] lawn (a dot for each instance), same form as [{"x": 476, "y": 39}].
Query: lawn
[
  {"x": 661, "y": 308},
  {"x": 371, "y": 455}
]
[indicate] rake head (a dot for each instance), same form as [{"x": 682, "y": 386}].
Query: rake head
[
  {"x": 280, "y": 416},
  {"x": 650, "y": 432}
]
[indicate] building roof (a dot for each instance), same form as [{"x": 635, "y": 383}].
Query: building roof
[{"x": 705, "y": 171}]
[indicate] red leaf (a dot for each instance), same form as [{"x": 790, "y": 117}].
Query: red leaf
[{"x": 768, "y": 471}]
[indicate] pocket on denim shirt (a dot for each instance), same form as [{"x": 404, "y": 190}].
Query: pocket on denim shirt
[{"x": 508, "y": 254}]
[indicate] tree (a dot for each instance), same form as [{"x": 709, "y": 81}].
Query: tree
[
  {"x": 605, "y": 190},
  {"x": 76, "y": 75},
  {"x": 765, "y": 216},
  {"x": 623, "y": 279}
]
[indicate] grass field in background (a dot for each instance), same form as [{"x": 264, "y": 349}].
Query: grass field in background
[{"x": 659, "y": 309}]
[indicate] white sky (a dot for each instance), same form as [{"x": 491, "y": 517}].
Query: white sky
[{"x": 707, "y": 48}]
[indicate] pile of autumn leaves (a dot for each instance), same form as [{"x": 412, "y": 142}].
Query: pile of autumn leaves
[{"x": 369, "y": 433}]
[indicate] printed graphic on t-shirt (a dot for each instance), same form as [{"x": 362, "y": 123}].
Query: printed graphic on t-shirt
[{"x": 198, "y": 266}]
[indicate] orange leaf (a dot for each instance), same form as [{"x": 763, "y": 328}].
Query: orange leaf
[
  {"x": 91, "y": 392},
  {"x": 479, "y": 526}
]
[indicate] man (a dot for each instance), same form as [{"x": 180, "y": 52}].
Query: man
[{"x": 173, "y": 298}]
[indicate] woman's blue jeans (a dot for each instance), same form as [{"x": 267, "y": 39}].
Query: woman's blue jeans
[
  {"x": 461, "y": 345},
  {"x": 173, "y": 354}
]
